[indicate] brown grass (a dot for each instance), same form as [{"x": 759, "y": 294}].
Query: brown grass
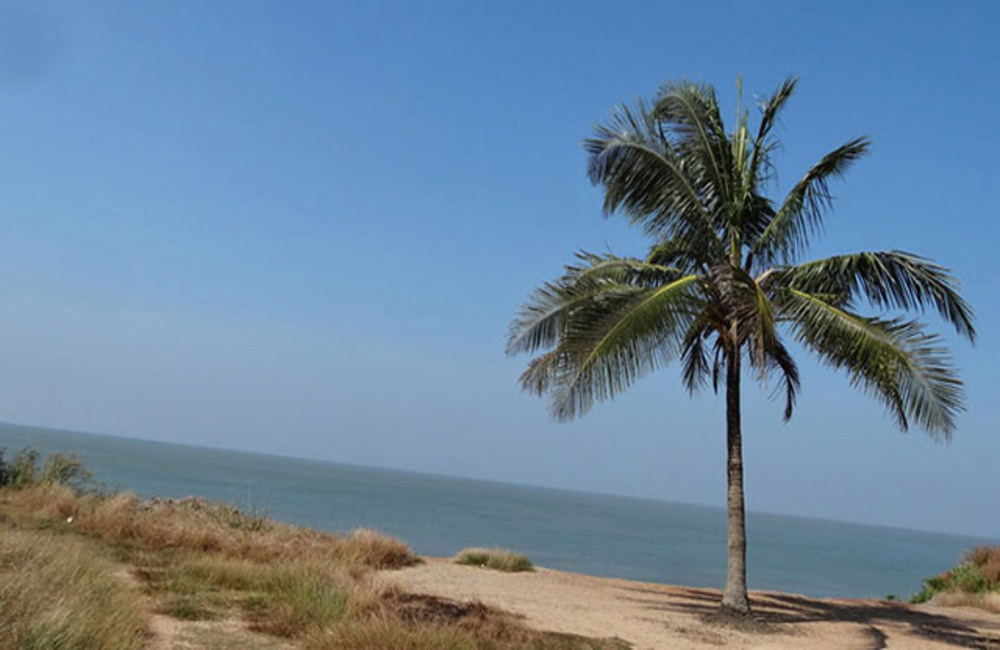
[
  {"x": 987, "y": 558},
  {"x": 194, "y": 524}
]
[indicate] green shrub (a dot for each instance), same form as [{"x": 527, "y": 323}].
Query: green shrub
[
  {"x": 23, "y": 470},
  {"x": 978, "y": 573}
]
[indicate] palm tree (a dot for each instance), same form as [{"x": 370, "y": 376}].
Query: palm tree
[{"x": 722, "y": 285}]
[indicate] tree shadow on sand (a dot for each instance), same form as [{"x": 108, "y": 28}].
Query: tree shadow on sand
[{"x": 776, "y": 613}]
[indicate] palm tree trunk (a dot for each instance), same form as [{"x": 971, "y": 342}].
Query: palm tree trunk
[{"x": 734, "y": 598}]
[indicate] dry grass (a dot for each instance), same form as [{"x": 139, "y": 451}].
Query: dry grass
[
  {"x": 197, "y": 525},
  {"x": 373, "y": 549},
  {"x": 495, "y": 558},
  {"x": 394, "y": 635},
  {"x": 987, "y": 558},
  {"x": 988, "y": 602},
  {"x": 202, "y": 561},
  {"x": 58, "y": 592},
  {"x": 428, "y": 623}
]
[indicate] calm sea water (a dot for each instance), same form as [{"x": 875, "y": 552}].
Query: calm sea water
[{"x": 587, "y": 533}]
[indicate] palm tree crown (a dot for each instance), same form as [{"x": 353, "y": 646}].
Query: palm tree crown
[{"x": 723, "y": 281}]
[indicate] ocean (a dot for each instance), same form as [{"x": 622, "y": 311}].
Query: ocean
[{"x": 572, "y": 531}]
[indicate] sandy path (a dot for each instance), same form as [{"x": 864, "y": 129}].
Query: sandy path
[
  {"x": 168, "y": 633},
  {"x": 230, "y": 634},
  {"x": 653, "y": 616}
]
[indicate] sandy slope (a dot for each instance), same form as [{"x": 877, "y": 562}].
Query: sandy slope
[{"x": 661, "y": 616}]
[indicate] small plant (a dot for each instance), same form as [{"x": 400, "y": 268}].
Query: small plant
[{"x": 495, "y": 558}]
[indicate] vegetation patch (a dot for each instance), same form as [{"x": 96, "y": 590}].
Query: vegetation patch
[
  {"x": 495, "y": 558},
  {"x": 200, "y": 607},
  {"x": 978, "y": 574},
  {"x": 61, "y": 592},
  {"x": 23, "y": 470},
  {"x": 72, "y": 562}
]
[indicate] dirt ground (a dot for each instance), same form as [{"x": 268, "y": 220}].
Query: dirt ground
[{"x": 654, "y": 616}]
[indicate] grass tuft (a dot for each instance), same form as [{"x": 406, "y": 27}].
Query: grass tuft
[
  {"x": 495, "y": 558},
  {"x": 378, "y": 551}
]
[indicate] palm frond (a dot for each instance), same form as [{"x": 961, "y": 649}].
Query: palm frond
[
  {"x": 623, "y": 270},
  {"x": 539, "y": 321},
  {"x": 893, "y": 360},
  {"x": 770, "y": 108},
  {"x": 537, "y": 377},
  {"x": 617, "y": 337},
  {"x": 780, "y": 361},
  {"x": 762, "y": 336},
  {"x": 648, "y": 181},
  {"x": 690, "y": 113},
  {"x": 695, "y": 370},
  {"x": 671, "y": 254},
  {"x": 801, "y": 214},
  {"x": 886, "y": 279}
]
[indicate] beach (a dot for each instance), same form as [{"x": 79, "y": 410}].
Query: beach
[
  {"x": 652, "y": 616},
  {"x": 115, "y": 572}
]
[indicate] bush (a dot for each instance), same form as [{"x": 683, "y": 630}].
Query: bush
[
  {"x": 65, "y": 469},
  {"x": 22, "y": 470},
  {"x": 978, "y": 573}
]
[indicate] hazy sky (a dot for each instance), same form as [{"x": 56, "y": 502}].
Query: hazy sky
[{"x": 303, "y": 228}]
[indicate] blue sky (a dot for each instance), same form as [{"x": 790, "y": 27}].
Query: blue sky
[{"x": 302, "y": 228}]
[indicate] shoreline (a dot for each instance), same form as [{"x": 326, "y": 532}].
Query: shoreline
[
  {"x": 208, "y": 572},
  {"x": 652, "y": 615},
  {"x": 609, "y": 536}
]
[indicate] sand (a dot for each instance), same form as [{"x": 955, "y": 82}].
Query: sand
[{"x": 659, "y": 616}]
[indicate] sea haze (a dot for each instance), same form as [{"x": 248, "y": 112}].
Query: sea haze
[{"x": 588, "y": 533}]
